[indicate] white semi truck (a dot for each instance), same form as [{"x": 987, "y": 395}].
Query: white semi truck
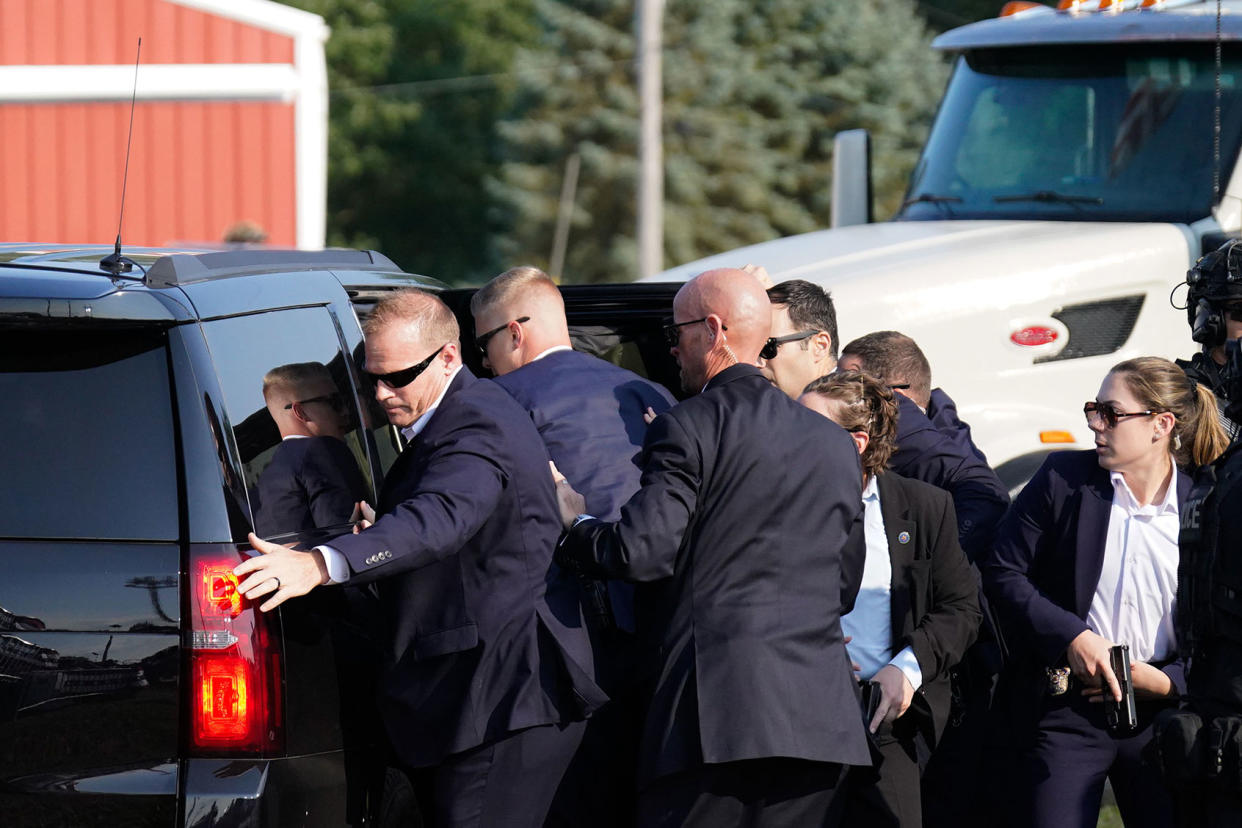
[{"x": 1070, "y": 178}]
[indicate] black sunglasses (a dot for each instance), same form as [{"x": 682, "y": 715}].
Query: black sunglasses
[
  {"x": 774, "y": 343},
  {"x": 1109, "y": 413},
  {"x": 481, "y": 340},
  {"x": 672, "y": 330},
  {"x": 335, "y": 399},
  {"x": 402, "y": 378}
]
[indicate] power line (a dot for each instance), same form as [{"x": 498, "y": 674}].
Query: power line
[{"x": 461, "y": 83}]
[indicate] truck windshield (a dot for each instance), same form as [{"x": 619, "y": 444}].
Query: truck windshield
[{"x": 1104, "y": 133}]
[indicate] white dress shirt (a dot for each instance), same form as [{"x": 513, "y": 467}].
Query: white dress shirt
[
  {"x": 338, "y": 566},
  {"x": 551, "y": 350},
  {"x": 1134, "y": 599},
  {"x": 870, "y": 622}
]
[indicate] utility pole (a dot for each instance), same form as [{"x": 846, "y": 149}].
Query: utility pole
[
  {"x": 649, "y": 25},
  {"x": 564, "y": 215}
]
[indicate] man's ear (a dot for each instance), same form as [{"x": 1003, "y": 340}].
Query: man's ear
[
  {"x": 861, "y": 439},
  {"x": 299, "y": 413},
  {"x": 716, "y": 328},
  {"x": 822, "y": 345},
  {"x": 451, "y": 353}
]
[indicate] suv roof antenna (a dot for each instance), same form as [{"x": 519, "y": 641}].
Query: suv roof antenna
[
  {"x": 1216, "y": 118},
  {"x": 116, "y": 264}
]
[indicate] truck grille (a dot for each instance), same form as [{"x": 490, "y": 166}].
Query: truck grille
[{"x": 1096, "y": 328}]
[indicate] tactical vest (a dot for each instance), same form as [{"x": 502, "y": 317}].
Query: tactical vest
[{"x": 1209, "y": 591}]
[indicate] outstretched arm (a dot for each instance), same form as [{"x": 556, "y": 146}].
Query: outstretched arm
[
  {"x": 643, "y": 544},
  {"x": 280, "y": 572}
]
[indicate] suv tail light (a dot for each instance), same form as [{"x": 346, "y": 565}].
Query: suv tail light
[{"x": 235, "y": 664}]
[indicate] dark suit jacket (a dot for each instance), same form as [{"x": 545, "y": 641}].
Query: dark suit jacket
[
  {"x": 589, "y": 413},
  {"x": 942, "y": 411},
  {"x": 748, "y": 504},
  {"x": 1043, "y": 572},
  {"x": 487, "y": 634},
  {"x": 926, "y": 453},
  {"x": 310, "y": 483},
  {"x": 934, "y": 591}
]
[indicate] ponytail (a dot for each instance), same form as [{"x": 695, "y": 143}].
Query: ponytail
[
  {"x": 1205, "y": 439},
  {"x": 1198, "y": 436}
]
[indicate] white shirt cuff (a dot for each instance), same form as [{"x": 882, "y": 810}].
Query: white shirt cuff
[
  {"x": 581, "y": 518},
  {"x": 338, "y": 566},
  {"x": 908, "y": 664}
]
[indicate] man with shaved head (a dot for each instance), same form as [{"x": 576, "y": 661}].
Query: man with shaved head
[
  {"x": 748, "y": 507},
  {"x": 589, "y": 413}
]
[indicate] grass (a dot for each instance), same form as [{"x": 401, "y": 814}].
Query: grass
[{"x": 1110, "y": 817}]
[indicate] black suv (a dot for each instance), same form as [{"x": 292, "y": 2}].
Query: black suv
[{"x": 136, "y": 686}]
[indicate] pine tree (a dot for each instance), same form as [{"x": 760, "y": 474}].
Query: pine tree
[{"x": 754, "y": 91}]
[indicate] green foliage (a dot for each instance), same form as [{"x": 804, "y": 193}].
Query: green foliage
[
  {"x": 754, "y": 92},
  {"x": 451, "y": 123},
  {"x": 416, "y": 88}
]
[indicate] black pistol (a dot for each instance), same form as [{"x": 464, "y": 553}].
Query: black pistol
[
  {"x": 870, "y": 699},
  {"x": 1121, "y": 716}
]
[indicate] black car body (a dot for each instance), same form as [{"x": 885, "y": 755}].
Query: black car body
[{"x": 136, "y": 687}]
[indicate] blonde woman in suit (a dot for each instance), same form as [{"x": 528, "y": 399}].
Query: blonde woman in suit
[{"x": 1086, "y": 558}]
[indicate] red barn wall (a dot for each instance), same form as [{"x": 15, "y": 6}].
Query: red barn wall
[
  {"x": 196, "y": 166},
  {"x": 107, "y": 31}
]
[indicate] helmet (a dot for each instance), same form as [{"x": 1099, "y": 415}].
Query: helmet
[{"x": 1214, "y": 280}]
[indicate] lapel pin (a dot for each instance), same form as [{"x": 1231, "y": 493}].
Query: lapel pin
[{"x": 903, "y": 537}]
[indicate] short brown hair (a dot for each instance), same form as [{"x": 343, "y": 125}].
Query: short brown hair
[
  {"x": 426, "y": 312},
  {"x": 509, "y": 284},
  {"x": 296, "y": 376},
  {"x": 866, "y": 405},
  {"x": 894, "y": 359}
]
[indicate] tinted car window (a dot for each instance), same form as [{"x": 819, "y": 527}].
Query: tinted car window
[
  {"x": 86, "y": 434},
  {"x": 284, "y": 373},
  {"x": 386, "y": 437}
]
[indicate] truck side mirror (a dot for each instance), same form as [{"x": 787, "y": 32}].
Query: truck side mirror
[{"x": 851, "y": 178}]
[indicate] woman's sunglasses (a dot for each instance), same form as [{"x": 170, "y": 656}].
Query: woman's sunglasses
[{"x": 1109, "y": 413}]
